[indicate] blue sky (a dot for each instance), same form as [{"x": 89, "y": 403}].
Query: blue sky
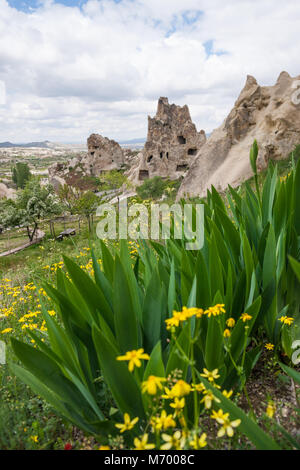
[
  {"x": 68, "y": 72},
  {"x": 28, "y": 5}
]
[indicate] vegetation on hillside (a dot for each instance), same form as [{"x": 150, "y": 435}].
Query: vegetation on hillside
[{"x": 147, "y": 345}]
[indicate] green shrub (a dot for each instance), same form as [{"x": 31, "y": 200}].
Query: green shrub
[{"x": 152, "y": 188}]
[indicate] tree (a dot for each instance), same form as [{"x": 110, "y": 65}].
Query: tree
[
  {"x": 32, "y": 205},
  {"x": 152, "y": 188},
  {"x": 113, "y": 179},
  {"x": 86, "y": 205},
  {"x": 68, "y": 196},
  {"x": 21, "y": 174}
]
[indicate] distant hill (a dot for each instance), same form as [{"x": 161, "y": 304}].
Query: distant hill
[{"x": 43, "y": 145}]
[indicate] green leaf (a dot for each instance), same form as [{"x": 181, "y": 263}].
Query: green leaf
[
  {"x": 126, "y": 321},
  {"x": 121, "y": 382},
  {"x": 155, "y": 365},
  {"x": 90, "y": 292},
  {"x": 152, "y": 312},
  {"x": 295, "y": 266},
  {"x": 253, "y": 156},
  {"x": 291, "y": 372}
]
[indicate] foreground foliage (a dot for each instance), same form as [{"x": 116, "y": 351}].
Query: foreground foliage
[{"x": 172, "y": 332}]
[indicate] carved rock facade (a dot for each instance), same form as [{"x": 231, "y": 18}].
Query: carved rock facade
[
  {"x": 269, "y": 114},
  {"x": 172, "y": 144}
]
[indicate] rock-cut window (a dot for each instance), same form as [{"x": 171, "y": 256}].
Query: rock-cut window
[{"x": 181, "y": 139}]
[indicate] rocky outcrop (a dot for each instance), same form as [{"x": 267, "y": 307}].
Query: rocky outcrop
[
  {"x": 268, "y": 114},
  {"x": 7, "y": 193},
  {"x": 172, "y": 143},
  {"x": 103, "y": 155}
]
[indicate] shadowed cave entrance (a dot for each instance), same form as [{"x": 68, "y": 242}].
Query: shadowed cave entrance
[
  {"x": 143, "y": 175},
  {"x": 183, "y": 167},
  {"x": 181, "y": 139}
]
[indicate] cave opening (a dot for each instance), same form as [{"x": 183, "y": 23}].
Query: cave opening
[
  {"x": 143, "y": 175},
  {"x": 192, "y": 151},
  {"x": 182, "y": 167},
  {"x": 181, "y": 139}
]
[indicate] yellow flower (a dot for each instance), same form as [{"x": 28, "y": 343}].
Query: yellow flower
[
  {"x": 227, "y": 394},
  {"x": 227, "y": 425},
  {"x": 182, "y": 316},
  {"x": 178, "y": 404},
  {"x": 230, "y": 322},
  {"x": 134, "y": 357},
  {"x": 177, "y": 318},
  {"x": 219, "y": 415},
  {"x": 226, "y": 333},
  {"x": 198, "y": 387},
  {"x": 286, "y": 320},
  {"x": 168, "y": 394},
  {"x": 271, "y": 408},
  {"x": 180, "y": 389},
  {"x": 34, "y": 438},
  {"x": 176, "y": 441},
  {"x": 142, "y": 444},
  {"x": 104, "y": 448},
  {"x": 245, "y": 317},
  {"x": 210, "y": 376},
  {"x": 7, "y": 330},
  {"x": 127, "y": 425},
  {"x": 199, "y": 442},
  {"x": 269, "y": 346},
  {"x": 163, "y": 421},
  {"x": 209, "y": 398},
  {"x": 215, "y": 311},
  {"x": 152, "y": 384}
]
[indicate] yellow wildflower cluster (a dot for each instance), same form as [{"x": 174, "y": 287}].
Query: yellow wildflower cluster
[
  {"x": 21, "y": 308},
  {"x": 167, "y": 428},
  {"x": 186, "y": 313}
]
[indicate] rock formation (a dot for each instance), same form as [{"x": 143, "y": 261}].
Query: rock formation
[
  {"x": 268, "y": 114},
  {"x": 172, "y": 143},
  {"x": 103, "y": 155},
  {"x": 6, "y": 192}
]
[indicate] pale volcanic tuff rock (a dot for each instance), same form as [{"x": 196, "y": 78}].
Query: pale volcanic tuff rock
[
  {"x": 172, "y": 143},
  {"x": 103, "y": 155},
  {"x": 6, "y": 193},
  {"x": 267, "y": 114}
]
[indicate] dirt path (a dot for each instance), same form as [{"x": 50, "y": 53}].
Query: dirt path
[{"x": 38, "y": 237}]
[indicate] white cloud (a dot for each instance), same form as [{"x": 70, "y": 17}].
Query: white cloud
[{"x": 101, "y": 68}]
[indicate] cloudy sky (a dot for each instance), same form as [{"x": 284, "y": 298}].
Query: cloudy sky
[{"x": 72, "y": 67}]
